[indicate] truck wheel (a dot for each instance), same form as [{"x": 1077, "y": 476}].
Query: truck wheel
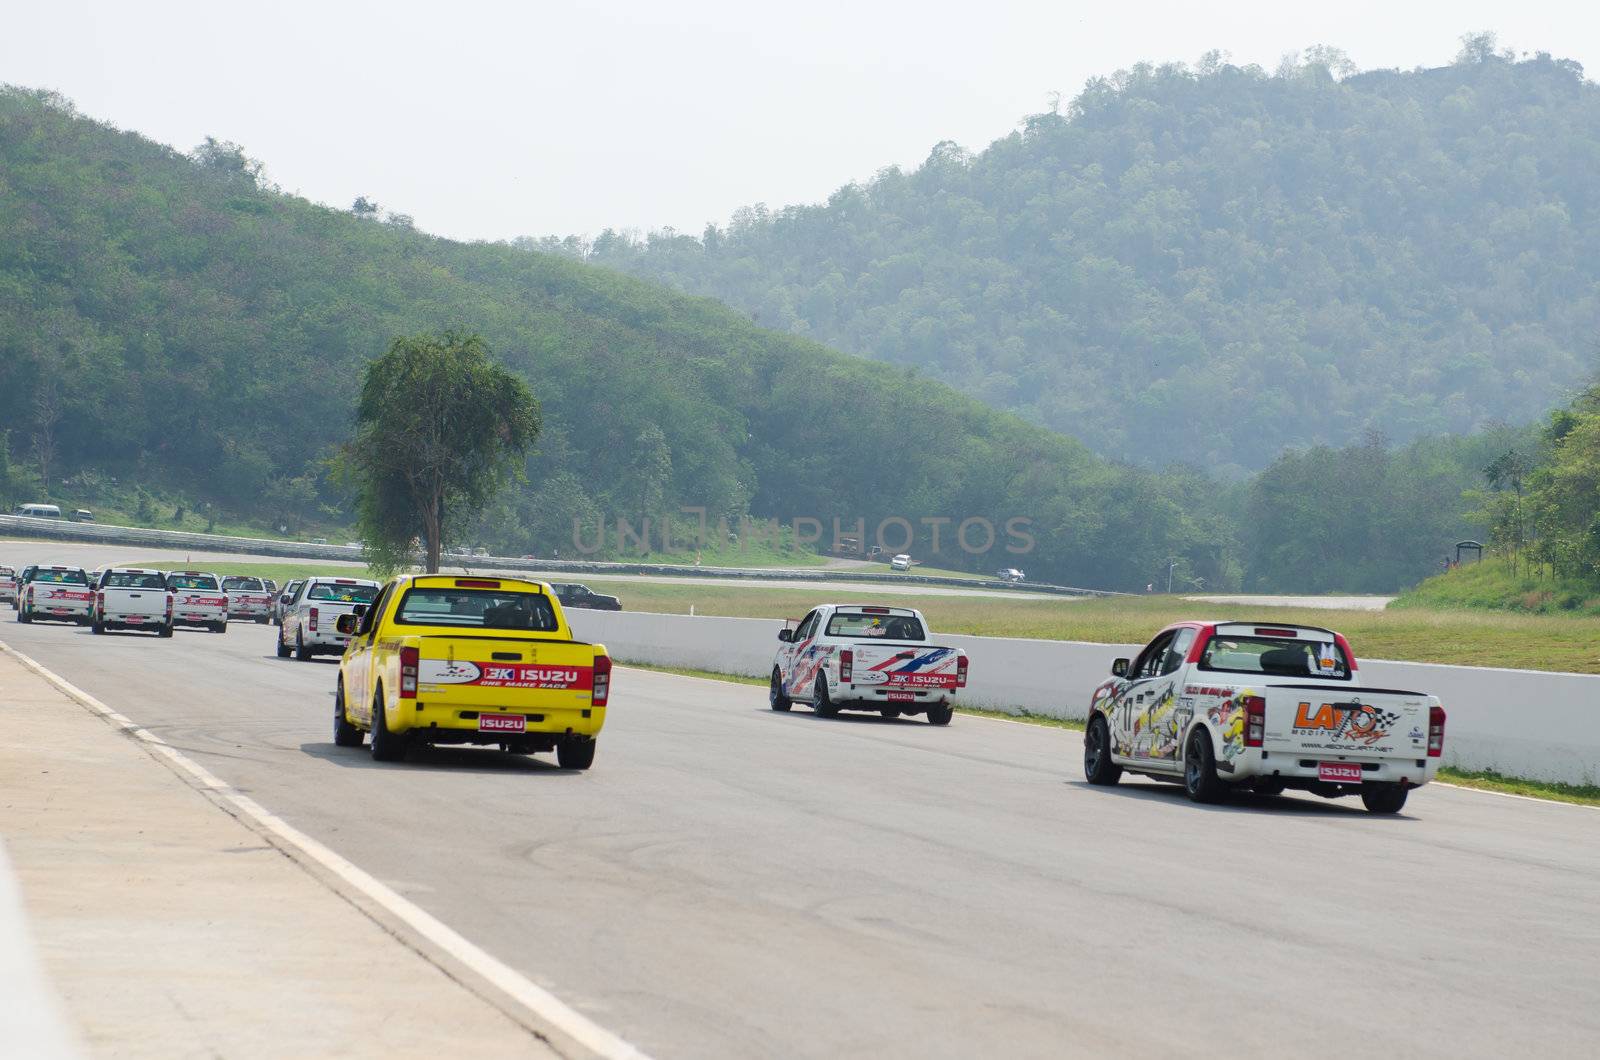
[
  {"x": 344, "y": 734},
  {"x": 575, "y": 754},
  {"x": 97, "y": 628},
  {"x": 386, "y": 746},
  {"x": 23, "y": 616},
  {"x": 941, "y": 715},
  {"x": 261, "y": 620},
  {"x": 166, "y": 630},
  {"x": 283, "y": 647},
  {"x": 220, "y": 627},
  {"x": 1098, "y": 768},
  {"x": 1200, "y": 769},
  {"x": 822, "y": 704},
  {"x": 301, "y": 652},
  {"x": 776, "y": 698},
  {"x": 1383, "y": 798}
]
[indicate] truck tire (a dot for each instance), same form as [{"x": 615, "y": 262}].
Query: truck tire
[
  {"x": 301, "y": 652},
  {"x": 22, "y": 615},
  {"x": 166, "y": 630},
  {"x": 822, "y": 704},
  {"x": 386, "y": 746},
  {"x": 1200, "y": 769},
  {"x": 1098, "y": 768},
  {"x": 344, "y": 734},
  {"x": 261, "y": 620},
  {"x": 1383, "y": 798},
  {"x": 941, "y": 715},
  {"x": 575, "y": 754},
  {"x": 777, "y": 699},
  {"x": 97, "y": 628},
  {"x": 283, "y": 647},
  {"x": 220, "y": 627}
]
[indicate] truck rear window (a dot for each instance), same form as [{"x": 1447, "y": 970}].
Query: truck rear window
[
  {"x": 343, "y": 594},
  {"x": 1276, "y": 656},
  {"x": 193, "y": 581},
  {"x": 62, "y": 577},
  {"x": 877, "y": 627},
  {"x": 243, "y": 585},
  {"x": 122, "y": 580},
  {"x": 476, "y": 609}
]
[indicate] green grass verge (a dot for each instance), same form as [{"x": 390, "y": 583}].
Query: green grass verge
[
  {"x": 1489, "y": 780},
  {"x": 278, "y": 572},
  {"x": 1460, "y": 637},
  {"x": 1493, "y": 586},
  {"x": 687, "y": 671}
]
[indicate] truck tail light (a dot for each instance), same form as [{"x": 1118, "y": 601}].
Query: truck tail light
[
  {"x": 311, "y": 620},
  {"x": 847, "y": 662},
  {"x": 1255, "y": 720},
  {"x": 961, "y": 671},
  {"x": 1435, "y": 732},
  {"x": 100, "y": 600},
  {"x": 602, "y": 680},
  {"x": 409, "y": 658},
  {"x": 169, "y": 605}
]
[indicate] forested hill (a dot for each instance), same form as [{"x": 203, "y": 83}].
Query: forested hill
[
  {"x": 1212, "y": 261},
  {"x": 170, "y": 319}
]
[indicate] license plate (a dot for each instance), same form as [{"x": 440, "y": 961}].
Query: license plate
[
  {"x": 134, "y": 618},
  {"x": 1339, "y": 772},
  {"x": 901, "y": 697},
  {"x": 502, "y": 723}
]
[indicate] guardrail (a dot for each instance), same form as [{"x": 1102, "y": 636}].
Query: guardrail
[
  {"x": 1523, "y": 723},
  {"x": 63, "y": 530}
]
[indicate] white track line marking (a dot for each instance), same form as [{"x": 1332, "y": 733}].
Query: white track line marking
[{"x": 542, "y": 1004}]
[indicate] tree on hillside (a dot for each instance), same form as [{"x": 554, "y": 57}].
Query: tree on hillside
[{"x": 440, "y": 429}]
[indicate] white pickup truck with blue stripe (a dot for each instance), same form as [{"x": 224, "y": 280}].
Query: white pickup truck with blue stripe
[{"x": 865, "y": 657}]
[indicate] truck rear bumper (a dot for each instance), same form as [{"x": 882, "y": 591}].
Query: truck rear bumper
[
  {"x": 1297, "y": 770},
  {"x": 454, "y": 723}
]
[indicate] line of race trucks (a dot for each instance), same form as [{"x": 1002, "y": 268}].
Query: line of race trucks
[{"x": 1216, "y": 707}]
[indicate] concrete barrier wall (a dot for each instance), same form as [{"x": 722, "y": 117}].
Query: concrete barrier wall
[{"x": 1526, "y": 723}]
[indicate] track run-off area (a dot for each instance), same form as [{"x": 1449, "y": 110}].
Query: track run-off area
[{"x": 729, "y": 881}]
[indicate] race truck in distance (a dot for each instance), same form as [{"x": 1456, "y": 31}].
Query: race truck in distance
[
  {"x": 60, "y": 594},
  {"x": 1260, "y": 706},
  {"x": 198, "y": 600},
  {"x": 8, "y": 585},
  {"x": 309, "y": 625},
  {"x": 132, "y": 598},
  {"x": 247, "y": 598},
  {"x": 859, "y": 657},
  {"x": 446, "y": 659},
  {"x": 280, "y": 600}
]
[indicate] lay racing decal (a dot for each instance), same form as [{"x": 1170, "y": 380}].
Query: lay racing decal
[
  {"x": 68, "y": 594},
  {"x": 498, "y": 675},
  {"x": 1355, "y": 722}
]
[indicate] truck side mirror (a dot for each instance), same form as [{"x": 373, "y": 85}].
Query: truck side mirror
[
  {"x": 1119, "y": 668},
  {"x": 785, "y": 635},
  {"x": 346, "y": 624}
]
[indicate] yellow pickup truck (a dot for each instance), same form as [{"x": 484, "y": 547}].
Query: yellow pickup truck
[{"x": 444, "y": 659}]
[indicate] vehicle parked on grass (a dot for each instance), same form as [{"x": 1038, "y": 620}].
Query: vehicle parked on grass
[
  {"x": 132, "y": 598},
  {"x": 900, "y": 562},
  {"x": 1260, "y": 706},
  {"x": 8, "y": 585},
  {"x": 247, "y": 598},
  {"x": 574, "y": 594},
  {"x": 57, "y": 594},
  {"x": 861, "y": 657},
  {"x": 281, "y": 600},
  {"x": 442, "y": 659},
  {"x": 309, "y": 625},
  {"x": 198, "y": 600}
]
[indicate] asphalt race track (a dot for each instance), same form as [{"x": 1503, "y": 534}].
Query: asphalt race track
[{"x": 732, "y": 882}]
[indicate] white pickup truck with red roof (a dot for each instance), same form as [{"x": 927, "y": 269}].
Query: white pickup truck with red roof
[
  {"x": 198, "y": 600},
  {"x": 860, "y": 657},
  {"x": 1262, "y": 707},
  {"x": 247, "y": 598}
]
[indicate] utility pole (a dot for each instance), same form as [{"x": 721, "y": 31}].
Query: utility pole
[{"x": 1170, "y": 567}]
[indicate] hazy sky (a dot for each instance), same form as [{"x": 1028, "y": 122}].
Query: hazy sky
[{"x": 492, "y": 120}]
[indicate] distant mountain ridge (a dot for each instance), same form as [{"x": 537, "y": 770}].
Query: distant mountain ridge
[
  {"x": 1211, "y": 263},
  {"x": 168, "y": 319}
]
